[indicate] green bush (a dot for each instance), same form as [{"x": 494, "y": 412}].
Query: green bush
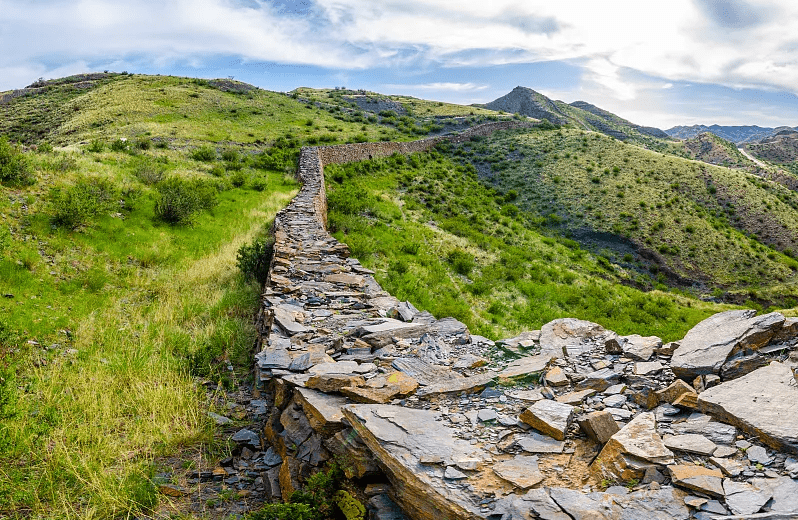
[
  {"x": 142, "y": 143},
  {"x": 14, "y": 166},
  {"x": 149, "y": 171},
  {"x": 73, "y": 206},
  {"x": 461, "y": 262},
  {"x": 120, "y": 145},
  {"x": 259, "y": 183},
  {"x": 238, "y": 179},
  {"x": 179, "y": 200},
  {"x": 348, "y": 199},
  {"x": 254, "y": 259},
  {"x": 284, "y": 512},
  {"x": 96, "y": 146},
  {"x": 204, "y": 154}
]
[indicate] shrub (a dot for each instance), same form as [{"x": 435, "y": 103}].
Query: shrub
[
  {"x": 142, "y": 143},
  {"x": 96, "y": 146},
  {"x": 149, "y": 172},
  {"x": 14, "y": 166},
  {"x": 238, "y": 179},
  {"x": 44, "y": 147},
  {"x": 254, "y": 259},
  {"x": 348, "y": 199},
  {"x": 179, "y": 200},
  {"x": 120, "y": 145},
  {"x": 204, "y": 154},
  {"x": 230, "y": 156},
  {"x": 259, "y": 183},
  {"x": 461, "y": 262},
  {"x": 75, "y": 205}
]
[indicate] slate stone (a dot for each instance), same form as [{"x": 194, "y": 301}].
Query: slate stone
[
  {"x": 631, "y": 450},
  {"x": 333, "y": 382},
  {"x": 691, "y": 443},
  {"x": 743, "y": 498},
  {"x": 697, "y": 478},
  {"x": 640, "y": 348},
  {"x": 487, "y": 414},
  {"x": 272, "y": 458},
  {"x": 599, "y": 426},
  {"x": 758, "y": 455},
  {"x": 674, "y": 391},
  {"x": 575, "y": 398},
  {"x": 220, "y": 420},
  {"x": 701, "y": 424},
  {"x": 556, "y": 377},
  {"x": 536, "y": 503},
  {"x": 666, "y": 503},
  {"x": 614, "y": 401},
  {"x": 521, "y": 471},
  {"x": 724, "y": 451},
  {"x": 648, "y": 368},
  {"x": 536, "y": 443},
  {"x": 549, "y": 417},
  {"x": 525, "y": 366},
  {"x": 708, "y": 345},
  {"x": 247, "y": 437},
  {"x": 453, "y": 473},
  {"x": 763, "y": 403},
  {"x": 274, "y": 358},
  {"x": 398, "y": 437},
  {"x": 425, "y": 373},
  {"x": 381, "y": 507},
  {"x": 322, "y": 410},
  {"x": 599, "y": 380},
  {"x": 383, "y": 388},
  {"x": 568, "y": 336},
  {"x": 784, "y": 491},
  {"x": 468, "y": 384}
]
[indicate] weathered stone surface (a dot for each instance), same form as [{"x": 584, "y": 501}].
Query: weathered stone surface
[
  {"x": 525, "y": 366},
  {"x": 691, "y": 443},
  {"x": 702, "y": 424},
  {"x": 470, "y": 361},
  {"x": 333, "y": 382},
  {"x": 729, "y": 467},
  {"x": 359, "y": 462},
  {"x": 784, "y": 491},
  {"x": 632, "y": 450},
  {"x": 740, "y": 365},
  {"x": 556, "y": 377},
  {"x": 382, "y": 388},
  {"x": 274, "y": 358},
  {"x": 743, "y": 498},
  {"x": 536, "y": 503},
  {"x": 648, "y": 368},
  {"x": 697, "y": 478},
  {"x": 336, "y": 367},
  {"x": 309, "y": 359},
  {"x": 640, "y": 348},
  {"x": 575, "y": 398},
  {"x": 764, "y": 403},
  {"x": 599, "y": 380},
  {"x": 398, "y": 437},
  {"x": 758, "y": 455},
  {"x": 536, "y": 443},
  {"x": 464, "y": 384},
  {"x": 425, "y": 373},
  {"x": 569, "y": 336},
  {"x": 674, "y": 391},
  {"x": 248, "y": 437},
  {"x": 322, "y": 410},
  {"x": 381, "y": 507},
  {"x": 666, "y": 503},
  {"x": 549, "y": 417},
  {"x": 708, "y": 345},
  {"x": 599, "y": 426},
  {"x": 521, "y": 471}
]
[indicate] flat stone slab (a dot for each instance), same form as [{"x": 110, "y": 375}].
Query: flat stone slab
[
  {"x": 697, "y": 478},
  {"x": 763, "y": 403},
  {"x": 535, "y": 443},
  {"x": 462, "y": 384},
  {"x": 399, "y": 438},
  {"x": 549, "y": 417},
  {"x": 525, "y": 366},
  {"x": 640, "y": 348},
  {"x": 691, "y": 443},
  {"x": 521, "y": 471},
  {"x": 425, "y": 373},
  {"x": 666, "y": 503},
  {"x": 323, "y": 410},
  {"x": 708, "y": 345},
  {"x": 743, "y": 498}
]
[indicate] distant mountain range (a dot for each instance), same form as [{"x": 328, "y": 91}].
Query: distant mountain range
[{"x": 735, "y": 134}]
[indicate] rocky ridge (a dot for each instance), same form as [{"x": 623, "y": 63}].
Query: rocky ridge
[{"x": 572, "y": 421}]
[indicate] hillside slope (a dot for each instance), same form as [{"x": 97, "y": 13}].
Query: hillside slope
[{"x": 664, "y": 217}]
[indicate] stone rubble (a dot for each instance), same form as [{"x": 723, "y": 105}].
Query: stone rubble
[{"x": 571, "y": 421}]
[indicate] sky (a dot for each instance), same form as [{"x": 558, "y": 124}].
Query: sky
[{"x": 657, "y": 63}]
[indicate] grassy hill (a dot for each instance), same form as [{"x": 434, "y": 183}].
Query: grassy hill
[
  {"x": 709, "y": 148},
  {"x": 437, "y": 235},
  {"x": 665, "y": 218}
]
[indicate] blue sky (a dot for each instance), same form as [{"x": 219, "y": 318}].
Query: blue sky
[{"x": 655, "y": 63}]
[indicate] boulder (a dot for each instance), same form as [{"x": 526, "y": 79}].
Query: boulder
[
  {"x": 632, "y": 450},
  {"x": 708, "y": 345},
  {"x": 398, "y": 438},
  {"x": 549, "y": 417},
  {"x": 599, "y": 426},
  {"x": 697, "y": 478},
  {"x": 639, "y": 348},
  {"x": 763, "y": 404},
  {"x": 568, "y": 336}
]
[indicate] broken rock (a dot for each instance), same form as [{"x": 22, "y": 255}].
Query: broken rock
[{"x": 549, "y": 417}]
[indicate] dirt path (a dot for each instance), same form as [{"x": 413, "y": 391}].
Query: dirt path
[{"x": 751, "y": 158}]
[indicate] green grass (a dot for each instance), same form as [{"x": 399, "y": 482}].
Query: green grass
[
  {"x": 712, "y": 226},
  {"x": 435, "y": 235}
]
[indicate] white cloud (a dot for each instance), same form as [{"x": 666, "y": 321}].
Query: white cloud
[{"x": 452, "y": 87}]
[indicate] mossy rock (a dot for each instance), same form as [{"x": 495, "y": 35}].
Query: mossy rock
[{"x": 351, "y": 507}]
